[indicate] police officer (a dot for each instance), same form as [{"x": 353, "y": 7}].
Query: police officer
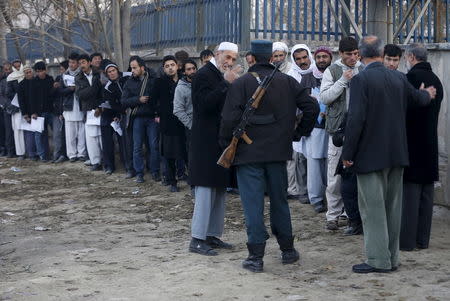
[{"x": 262, "y": 165}]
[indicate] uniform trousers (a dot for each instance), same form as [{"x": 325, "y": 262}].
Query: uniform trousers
[
  {"x": 209, "y": 212},
  {"x": 252, "y": 179},
  {"x": 333, "y": 192},
  {"x": 19, "y": 140},
  {"x": 380, "y": 205},
  {"x": 417, "y": 214},
  {"x": 75, "y": 139}
]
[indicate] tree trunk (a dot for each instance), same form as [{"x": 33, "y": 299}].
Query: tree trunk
[
  {"x": 117, "y": 33},
  {"x": 125, "y": 14},
  {"x": 64, "y": 33},
  {"x": 3, "y": 48},
  {"x": 11, "y": 28}
]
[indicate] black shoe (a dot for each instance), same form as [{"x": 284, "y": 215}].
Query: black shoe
[
  {"x": 353, "y": 229},
  {"x": 108, "y": 171},
  {"x": 156, "y": 177},
  {"x": 201, "y": 247},
  {"x": 332, "y": 225},
  {"x": 173, "y": 188},
  {"x": 82, "y": 159},
  {"x": 20, "y": 158},
  {"x": 96, "y": 167},
  {"x": 304, "y": 200},
  {"x": 254, "y": 262},
  {"x": 293, "y": 196},
  {"x": 73, "y": 160},
  {"x": 130, "y": 175},
  {"x": 216, "y": 243},
  {"x": 319, "y": 207},
  {"x": 364, "y": 268},
  {"x": 61, "y": 159},
  {"x": 288, "y": 253},
  {"x": 139, "y": 179}
]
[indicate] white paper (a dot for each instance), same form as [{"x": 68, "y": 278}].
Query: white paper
[
  {"x": 25, "y": 126},
  {"x": 69, "y": 80},
  {"x": 127, "y": 74},
  {"x": 37, "y": 125},
  {"x": 15, "y": 101},
  {"x": 91, "y": 119},
  {"x": 106, "y": 105},
  {"x": 116, "y": 126}
]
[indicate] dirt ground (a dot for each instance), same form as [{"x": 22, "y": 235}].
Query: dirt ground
[{"x": 107, "y": 238}]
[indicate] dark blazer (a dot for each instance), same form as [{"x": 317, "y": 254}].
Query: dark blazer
[
  {"x": 12, "y": 87},
  {"x": 25, "y": 95},
  {"x": 272, "y": 126},
  {"x": 375, "y": 134},
  {"x": 89, "y": 96},
  {"x": 421, "y": 129},
  {"x": 163, "y": 93},
  {"x": 112, "y": 93},
  {"x": 209, "y": 90},
  {"x": 43, "y": 94},
  {"x": 130, "y": 96}
]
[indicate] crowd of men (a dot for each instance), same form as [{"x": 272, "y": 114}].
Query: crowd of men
[{"x": 352, "y": 137}]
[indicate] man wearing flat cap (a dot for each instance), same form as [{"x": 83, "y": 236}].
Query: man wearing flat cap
[
  {"x": 209, "y": 89},
  {"x": 261, "y": 166}
]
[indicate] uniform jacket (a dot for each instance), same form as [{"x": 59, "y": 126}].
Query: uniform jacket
[
  {"x": 272, "y": 126},
  {"x": 421, "y": 129},
  {"x": 375, "y": 134}
]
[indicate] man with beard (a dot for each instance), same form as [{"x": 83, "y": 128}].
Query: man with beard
[
  {"x": 302, "y": 64},
  {"x": 72, "y": 113},
  {"x": 89, "y": 92},
  {"x": 279, "y": 56},
  {"x": 209, "y": 89},
  {"x": 423, "y": 169},
  {"x": 315, "y": 146},
  {"x": 143, "y": 118},
  {"x": 173, "y": 139},
  {"x": 334, "y": 93},
  {"x": 7, "y": 138}
]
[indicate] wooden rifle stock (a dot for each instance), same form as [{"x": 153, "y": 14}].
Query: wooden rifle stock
[{"x": 227, "y": 157}]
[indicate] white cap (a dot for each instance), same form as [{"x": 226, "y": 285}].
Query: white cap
[
  {"x": 227, "y": 46},
  {"x": 280, "y": 46}
]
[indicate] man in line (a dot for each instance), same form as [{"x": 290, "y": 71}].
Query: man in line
[
  {"x": 423, "y": 170},
  {"x": 112, "y": 111},
  {"x": 279, "y": 56},
  {"x": 250, "y": 59},
  {"x": 261, "y": 165},
  {"x": 209, "y": 89},
  {"x": 205, "y": 56},
  {"x": 315, "y": 146},
  {"x": 391, "y": 56},
  {"x": 302, "y": 64},
  {"x": 334, "y": 93},
  {"x": 58, "y": 126},
  {"x": 143, "y": 118},
  {"x": 376, "y": 149},
  {"x": 8, "y": 139},
  {"x": 89, "y": 92},
  {"x": 72, "y": 113}
]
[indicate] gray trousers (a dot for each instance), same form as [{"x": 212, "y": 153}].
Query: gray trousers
[
  {"x": 209, "y": 212},
  {"x": 296, "y": 172},
  {"x": 380, "y": 205},
  {"x": 417, "y": 214},
  {"x": 59, "y": 138},
  {"x": 316, "y": 179}
]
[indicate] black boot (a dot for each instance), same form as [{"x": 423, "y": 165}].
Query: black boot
[
  {"x": 353, "y": 228},
  {"x": 288, "y": 253},
  {"x": 254, "y": 262}
]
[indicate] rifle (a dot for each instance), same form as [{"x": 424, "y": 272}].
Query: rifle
[{"x": 227, "y": 157}]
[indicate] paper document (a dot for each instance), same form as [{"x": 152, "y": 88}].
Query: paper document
[
  {"x": 106, "y": 105},
  {"x": 127, "y": 74},
  {"x": 69, "y": 80},
  {"x": 37, "y": 125},
  {"x": 91, "y": 119},
  {"x": 25, "y": 126},
  {"x": 116, "y": 126},
  {"x": 15, "y": 101}
]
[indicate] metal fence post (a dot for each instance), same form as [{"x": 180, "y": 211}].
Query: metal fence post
[
  {"x": 245, "y": 18},
  {"x": 200, "y": 28}
]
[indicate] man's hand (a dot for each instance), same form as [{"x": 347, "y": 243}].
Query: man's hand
[
  {"x": 348, "y": 74},
  {"x": 143, "y": 99},
  {"x": 157, "y": 120},
  {"x": 27, "y": 118},
  {"x": 347, "y": 163},
  {"x": 431, "y": 90},
  {"x": 61, "y": 117},
  {"x": 98, "y": 112},
  {"x": 56, "y": 85},
  {"x": 233, "y": 73},
  {"x": 34, "y": 116},
  {"x": 116, "y": 119}
]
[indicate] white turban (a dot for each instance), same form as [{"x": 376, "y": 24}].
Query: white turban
[
  {"x": 280, "y": 46},
  {"x": 227, "y": 46}
]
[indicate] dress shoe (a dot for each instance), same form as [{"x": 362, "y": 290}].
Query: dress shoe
[
  {"x": 173, "y": 188},
  {"x": 254, "y": 262},
  {"x": 353, "y": 229},
  {"x": 216, "y": 243},
  {"x": 139, "y": 179},
  {"x": 156, "y": 177},
  {"x": 332, "y": 225},
  {"x": 364, "y": 268},
  {"x": 96, "y": 167},
  {"x": 201, "y": 247},
  {"x": 130, "y": 175}
]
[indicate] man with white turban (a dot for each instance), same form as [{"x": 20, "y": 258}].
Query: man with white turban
[{"x": 279, "y": 54}]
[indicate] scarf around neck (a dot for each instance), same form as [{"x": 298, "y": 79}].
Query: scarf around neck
[
  {"x": 296, "y": 71},
  {"x": 16, "y": 75}
]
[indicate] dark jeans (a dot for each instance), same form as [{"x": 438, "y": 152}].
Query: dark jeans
[
  {"x": 144, "y": 127},
  {"x": 349, "y": 192},
  {"x": 108, "y": 150},
  {"x": 417, "y": 214},
  {"x": 9, "y": 135},
  {"x": 171, "y": 170},
  {"x": 180, "y": 167},
  {"x": 42, "y": 146},
  {"x": 59, "y": 138},
  {"x": 30, "y": 144},
  {"x": 253, "y": 179}
]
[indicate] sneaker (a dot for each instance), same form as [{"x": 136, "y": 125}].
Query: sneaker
[
  {"x": 332, "y": 225},
  {"x": 139, "y": 179},
  {"x": 216, "y": 243},
  {"x": 201, "y": 247}
]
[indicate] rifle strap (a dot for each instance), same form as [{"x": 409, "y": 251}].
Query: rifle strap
[{"x": 256, "y": 75}]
